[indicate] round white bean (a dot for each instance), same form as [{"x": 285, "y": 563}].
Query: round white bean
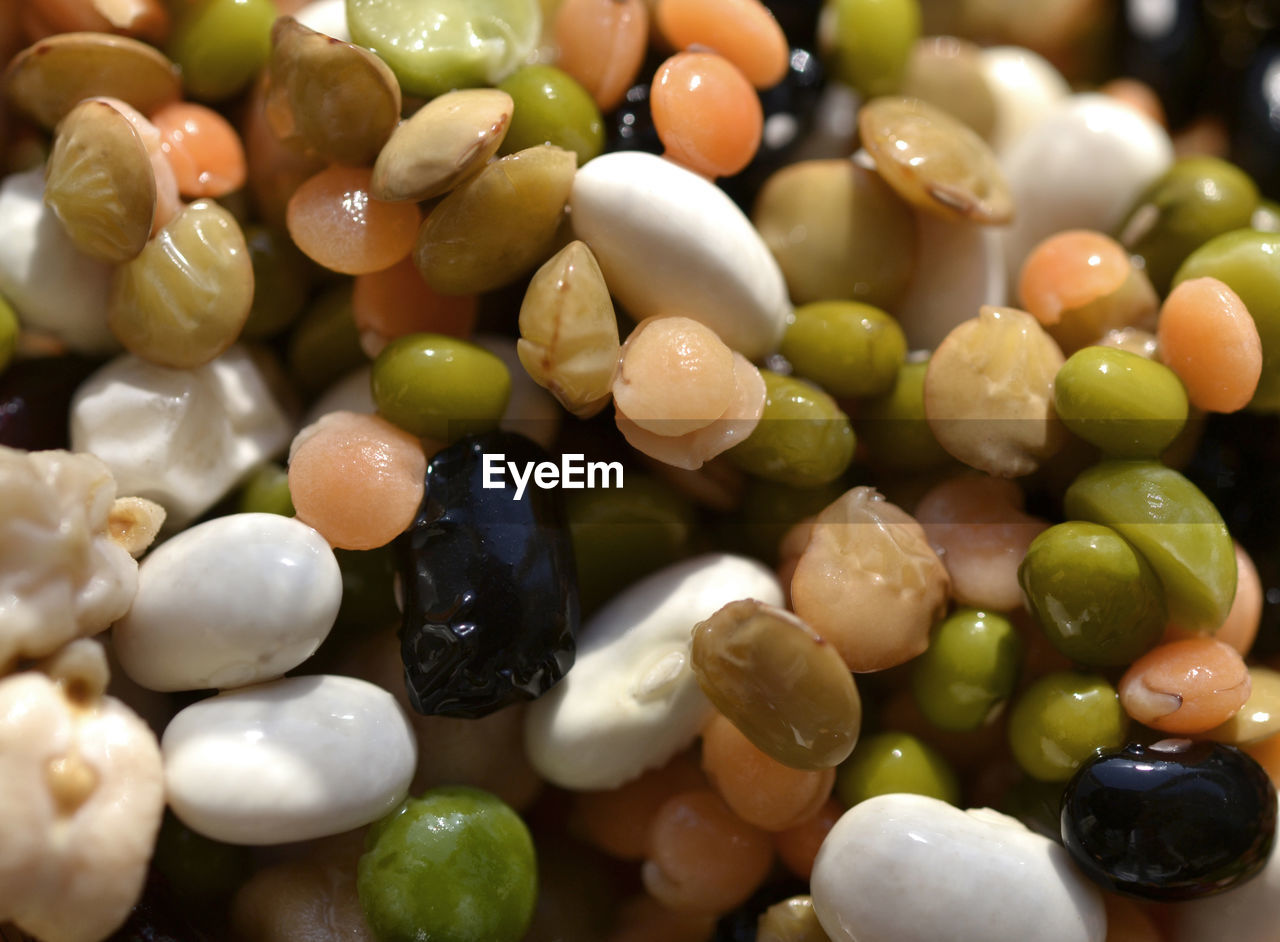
[
  {"x": 288, "y": 760},
  {"x": 236, "y": 600},
  {"x": 631, "y": 701}
]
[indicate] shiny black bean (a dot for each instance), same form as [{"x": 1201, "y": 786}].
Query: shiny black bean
[{"x": 490, "y": 596}]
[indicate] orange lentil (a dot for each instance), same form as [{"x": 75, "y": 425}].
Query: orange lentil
[
  {"x": 1208, "y": 338},
  {"x": 644, "y": 919},
  {"x": 1241, "y": 625},
  {"x": 397, "y": 301},
  {"x": 797, "y": 846},
  {"x": 335, "y": 222},
  {"x": 618, "y": 820},
  {"x": 743, "y": 31},
  {"x": 706, "y": 113},
  {"x": 357, "y": 479},
  {"x": 203, "y": 149},
  {"x": 602, "y": 45},
  {"x": 703, "y": 857},
  {"x": 1186, "y": 686},
  {"x": 1081, "y": 285},
  {"x": 758, "y": 788}
]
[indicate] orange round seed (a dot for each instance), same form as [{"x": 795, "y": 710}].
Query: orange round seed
[
  {"x": 758, "y": 788},
  {"x": 397, "y": 301},
  {"x": 602, "y": 44},
  {"x": 743, "y": 31},
  {"x": 618, "y": 820},
  {"x": 357, "y": 479},
  {"x": 798, "y": 846},
  {"x": 702, "y": 857},
  {"x": 1068, "y": 270},
  {"x": 202, "y": 147},
  {"x": 333, "y": 220},
  {"x": 1186, "y": 686},
  {"x": 1208, "y": 338},
  {"x": 676, "y": 376},
  {"x": 706, "y": 113}
]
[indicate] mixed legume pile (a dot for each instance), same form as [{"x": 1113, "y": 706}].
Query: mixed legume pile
[{"x": 681, "y": 453}]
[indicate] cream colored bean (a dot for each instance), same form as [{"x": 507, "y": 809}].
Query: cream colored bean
[
  {"x": 869, "y": 583},
  {"x": 988, "y": 393}
]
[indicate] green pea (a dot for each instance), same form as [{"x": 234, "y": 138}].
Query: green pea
[
  {"x": 848, "y": 348},
  {"x": 199, "y": 870},
  {"x": 8, "y": 333},
  {"x": 436, "y": 47},
  {"x": 325, "y": 344},
  {"x": 281, "y": 281},
  {"x": 622, "y": 534},
  {"x": 893, "y": 427},
  {"x": 368, "y": 588},
  {"x": 1173, "y": 525},
  {"x": 895, "y": 762},
  {"x": 267, "y": 492},
  {"x": 551, "y": 108},
  {"x": 1248, "y": 262},
  {"x": 1194, "y": 200},
  {"x": 1126, "y": 405},
  {"x": 1063, "y": 719},
  {"x": 440, "y": 387},
  {"x": 967, "y": 673},
  {"x": 802, "y": 439},
  {"x": 220, "y": 45},
  {"x": 870, "y": 42},
  {"x": 456, "y": 865},
  {"x": 1096, "y": 598}
]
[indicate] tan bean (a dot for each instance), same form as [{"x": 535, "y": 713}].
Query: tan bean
[
  {"x": 837, "y": 231},
  {"x": 976, "y": 526},
  {"x": 988, "y": 393},
  {"x": 792, "y": 920},
  {"x": 569, "y": 332},
  {"x": 48, "y": 79},
  {"x": 948, "y": 73},
  {"x": 934, "y": 161},
  {"x": 869, "y": 583},
  {"x": 498, "y": 225},
  {"x": 447, "y": 140},
  {"x": 339, "y": 99},
  {"x": 1259, "y": 718},
  {"x": 787, "y": 690}
]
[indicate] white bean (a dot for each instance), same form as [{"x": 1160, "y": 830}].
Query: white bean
[
  {"x": 672, "y": 242},
  {"x": 288, "y": 760},
  {"x": 236, "y": 600},
  {"x": 908, "y": 868},
  {"x": 631, "y": 701}
]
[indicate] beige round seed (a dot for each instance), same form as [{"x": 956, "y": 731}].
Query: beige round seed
[
  {"x": 988, "y": 393},
  {"x": 499, "y": 224},
  {"x": 101, "y": 183},
  {"x": 46, "y": 80},
  {"x": 569, "y": 332},
  {"x": 676, "y": 376},
  {"x": 447, "y": 140},
  {"x": 792, "y": 920},
  {"x": 337, "y": 98},
  {"x": 837, "y": 231},
  {"x": 692, "y": 449},
  {"x": 1259, "y": 718},
  {"x": 948, "y": 73},
  {"x": 774, "y": 678},
  {"x": 934, "y": 161},
  {"x": 869, "y": 583},
  {"x": 184, "y": 299}
]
